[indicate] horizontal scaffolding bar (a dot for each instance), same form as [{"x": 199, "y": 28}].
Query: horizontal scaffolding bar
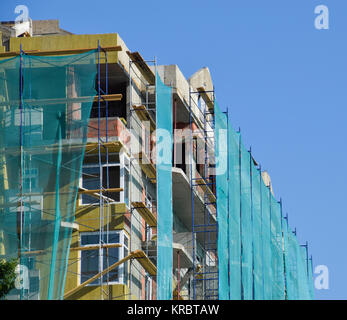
[
  {"x": 93, "y": 247},
  {"x": 205, "y": 225},
  {"x": 45, "y": 102},
  {"x": 100, "y": 190},
  {"x": 204, "y": 186}
]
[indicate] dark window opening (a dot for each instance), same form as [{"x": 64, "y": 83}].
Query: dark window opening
[
  {"x": 180, "y": 156},
  {"x": 114, "y": 108},
  {"x": 110, "y": 179}
]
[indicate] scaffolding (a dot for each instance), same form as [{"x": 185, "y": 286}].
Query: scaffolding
[
  {"x": 140, "y": 260},
  {"x": 204, "y": 224},
  {"x": 104, "y": 150},
  {"x": 143, "y": 115}
]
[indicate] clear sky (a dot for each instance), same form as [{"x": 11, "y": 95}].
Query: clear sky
[{"x": 283, "y": 81}]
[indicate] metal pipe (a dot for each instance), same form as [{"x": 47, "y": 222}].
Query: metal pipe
[
  {"x": 178, "y": 274},
  {"x": 191, "y": 188},
  {"x": 21, "y": 160},
  {"x": 252, "y": 208},
  {"x": 100, "y": 179}
]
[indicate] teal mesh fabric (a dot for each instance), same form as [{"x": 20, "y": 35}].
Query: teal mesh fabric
[
  {"x": 234, "y": 213},
  {"x": 266, "y": 241},
  {"x": 246, "y": 225},
  {"x": 9, "y": 160},
  {"x": 296, "y": 275},
  {"x": 305, "y": 273},
  {"x": 286, "y": 256},
  {"x": 277, "y": 263},
  {"x": 221, "y": 127},
  {"x": 164, "y": 190},
  {"x": 310, "y": 280},
  {"x": 290, "y": 243},
  {"x": 265, "y": 260},
  {"x": 47, "y": 137},
  {"x": 257, "y": 233},
  {"x": 303, "y": 289}
]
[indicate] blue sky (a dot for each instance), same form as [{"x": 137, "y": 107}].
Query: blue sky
[{"x": 282, "y": 80}]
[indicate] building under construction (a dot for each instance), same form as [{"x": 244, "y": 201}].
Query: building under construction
[{"x": 121, "y": 179}]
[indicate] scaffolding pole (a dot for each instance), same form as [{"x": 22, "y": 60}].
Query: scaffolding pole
[
  {"x": 204, "y": 286},
  {"x": 143, "y": 113}
]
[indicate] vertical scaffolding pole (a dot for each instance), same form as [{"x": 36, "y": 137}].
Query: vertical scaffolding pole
[
  {"x": 240, "y": 178},
  {"x": 261, "y": 228},
  {"x": 191, "y": 191},
  {"x": 130, "y": 178},
  {"x": 284, "y": 259},
  {"x": 208, "y": 272},
  {"x": 132, "y": 158},
  {"x": 252, "y": 219},
  {"x": 21, "y": 106},
  {"x": 107, "y": 167},
  {"x": 100, "y": 175},
  {"x": 103, "y": 236}
]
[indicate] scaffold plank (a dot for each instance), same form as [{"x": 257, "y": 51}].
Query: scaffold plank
[
  {"x": 97, "y": 191},
  {"x": 141, "y": 64},
  {"x": 203, "y": 185},
  {"x": 112, "y": 147},
  {"x": 145, "y": 262},
  {"x": 145, "y": 213},
  {"x": 147, "y": 167},
  {"x": 138, "y": 254},
  {"x": 144, "y": 115},
  {"x": 97, "y": 247}
]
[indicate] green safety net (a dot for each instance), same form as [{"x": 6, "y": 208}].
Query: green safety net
[
  {"x": 257, "y": 233},
  {"x": 9, "y": 159},
  {"x": 290, "y": 263},
  {"x": 301, "y": 274},
  {"x": 277, "y": 263},
  {"x": 266, "y": 240},
  {"x": 305, "y": 273},
  {"x": 299, "y": 285},
  {"x": 164, "y": 190},
  {"x": 310, "y": 279},
  {"x": 246, "y": 224},
  {"x": 265, "y": 260},
  {"x": 221, "y": 126},
  {"x": 234, "y": 206},
  {"x": 43, "y": 135}
]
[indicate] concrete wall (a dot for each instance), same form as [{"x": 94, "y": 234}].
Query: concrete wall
[
  {"x": 267, "y": 180},
  {"x": 47, "y": 27},
  {"x": 202, "y": 78}
]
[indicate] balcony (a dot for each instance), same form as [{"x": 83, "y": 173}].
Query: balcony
[{"x": 182, "y": 207}]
